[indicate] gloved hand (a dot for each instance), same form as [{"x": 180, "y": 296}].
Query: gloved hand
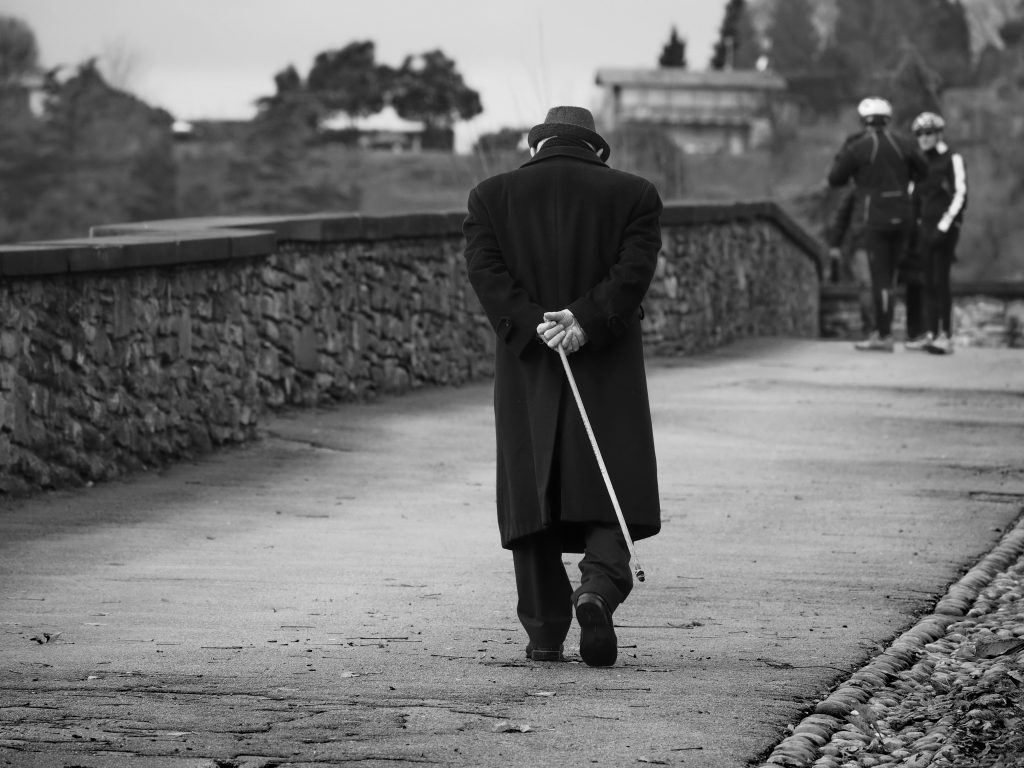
[{"x": 562, "y": 329}]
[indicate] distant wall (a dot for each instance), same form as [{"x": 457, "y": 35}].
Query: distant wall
[
  {"x": 984, "y": 314},
  {"x": 151, "y": 342}
]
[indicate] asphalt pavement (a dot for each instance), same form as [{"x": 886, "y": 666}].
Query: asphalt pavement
[{"x": 335, "y": 593}]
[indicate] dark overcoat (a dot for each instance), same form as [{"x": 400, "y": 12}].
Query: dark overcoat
[{"x": 567, "y": 231}]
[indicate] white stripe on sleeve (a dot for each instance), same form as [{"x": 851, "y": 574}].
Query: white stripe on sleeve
[{"x": 959, "y": 187}]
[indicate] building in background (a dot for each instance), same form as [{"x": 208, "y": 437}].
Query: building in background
[{"x": 729, "y": 111}]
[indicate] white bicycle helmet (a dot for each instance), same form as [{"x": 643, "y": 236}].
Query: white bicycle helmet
[
  {"x": 928, "y": 122},
  {"x": 873, "y": 108}
]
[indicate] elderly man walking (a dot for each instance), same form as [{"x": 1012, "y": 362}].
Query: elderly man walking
[{"x": 561, "y": 252}]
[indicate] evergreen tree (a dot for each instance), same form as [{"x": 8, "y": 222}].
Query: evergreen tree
[
  {"x": 674, "y": 52},
  {"x": 749, "y": 48},
  {"x": 871, "y": 36},
  {"x": 23, "y": 159},
  {"x": 275, "y": 146},
  {"x": 866, "y": 37},
  {"x": 913, "y": 87},
  {"x": 943, "y": 34},
  {"x": 105, "y": 154},
  {"x": 793, "y": 38},
  {"x": 737, "y": 46}
]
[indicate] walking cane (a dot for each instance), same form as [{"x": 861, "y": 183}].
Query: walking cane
[{"x": 600, "y": 463}]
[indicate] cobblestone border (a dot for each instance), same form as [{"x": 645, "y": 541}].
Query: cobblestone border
[{"x": 833, "y": 715}]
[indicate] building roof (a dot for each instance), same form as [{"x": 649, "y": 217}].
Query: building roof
[
  {"x": 675, "y": 77},
  {"x": 385, "y": 120}
]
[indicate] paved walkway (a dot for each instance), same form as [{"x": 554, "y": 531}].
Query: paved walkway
[{"x": 336, "y": 593}]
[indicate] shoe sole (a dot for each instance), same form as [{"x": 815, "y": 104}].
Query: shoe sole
[{"x": 598, "y": 645}]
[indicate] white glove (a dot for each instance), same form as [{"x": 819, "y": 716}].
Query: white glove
[{"x": 562, "y": 329}]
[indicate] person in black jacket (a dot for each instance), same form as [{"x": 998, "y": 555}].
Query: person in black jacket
[
  {"x": 844, "y": 238},
  {"x": 561, "y": 252},
  {"x": 883, "y": 166},
  {"x": 941, "y": 199}
]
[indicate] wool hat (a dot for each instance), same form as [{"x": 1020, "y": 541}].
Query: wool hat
[{"x": 569, "y": 122}]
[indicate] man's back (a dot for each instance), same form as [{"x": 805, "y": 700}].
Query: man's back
[
  {"x": 883, "y": 166},
  {"x": 571, "y": 229},
  {"x": 560, "y": 220},
  {"x": 878, "y": 160}
]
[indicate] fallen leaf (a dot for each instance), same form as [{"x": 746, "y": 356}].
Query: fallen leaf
[
  {"x": 506, "y": 727},
  {"x": 45, "y": 637},
  {"x": 993, "y": 648},
  {"x": 864, "y": 718}
]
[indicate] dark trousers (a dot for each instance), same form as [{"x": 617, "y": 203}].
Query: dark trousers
[
  {"x": 916, "y": 322},
  {"x": 939, "y": 255},
  {"x": 885, "y": 249},
  {"x": 861, "y": 272},
  {"x": 546, "y": 597}
]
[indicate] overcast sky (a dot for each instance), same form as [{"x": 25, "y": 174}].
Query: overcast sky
[{"x": 213, "y": 58}]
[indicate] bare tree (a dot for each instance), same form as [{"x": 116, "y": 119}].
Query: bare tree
[{"x": 119, "y": 63}]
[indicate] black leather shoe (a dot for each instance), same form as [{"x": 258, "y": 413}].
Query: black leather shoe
[
  {"x": 598, "y": 646},
  {"x": 544, "y": 654}
]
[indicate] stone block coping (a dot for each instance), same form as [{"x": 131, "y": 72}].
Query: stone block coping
[
  {"x": 219, "y": 238},
  {"x": 98, "y": 254}
]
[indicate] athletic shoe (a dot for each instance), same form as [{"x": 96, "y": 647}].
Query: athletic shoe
[
  {"x": 598, "y": 645},
  {"x": 544, "y": 654},
  {"x": 875, "y": 343},
  {"x": 942, "y": 345},
  {"x": 918, "y": 344}
]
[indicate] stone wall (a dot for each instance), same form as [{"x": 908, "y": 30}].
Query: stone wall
[
  {"x": 730, "y": 272},
  {"x": 152, "y": 342},
  {"x": 984, "y": 314}
]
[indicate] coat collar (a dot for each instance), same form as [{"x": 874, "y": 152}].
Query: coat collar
[{"x": 578, "y": 153}]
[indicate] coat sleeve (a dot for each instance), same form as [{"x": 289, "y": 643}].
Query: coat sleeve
[
  {"x": 843, "y": 167},
  {"x": 917, "y": 165},
  {"x": 607, "y": 309},
  {"x": 511, "y": 311},
  {"x": 956, "y": 204},
  {"x": 839, "y": 224}
]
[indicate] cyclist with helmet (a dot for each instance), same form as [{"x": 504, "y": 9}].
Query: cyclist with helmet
[
  {"x": 884, "y": 166},
  {"x": 941, "y": 200},
  {"x": 843, "y": 234}
]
